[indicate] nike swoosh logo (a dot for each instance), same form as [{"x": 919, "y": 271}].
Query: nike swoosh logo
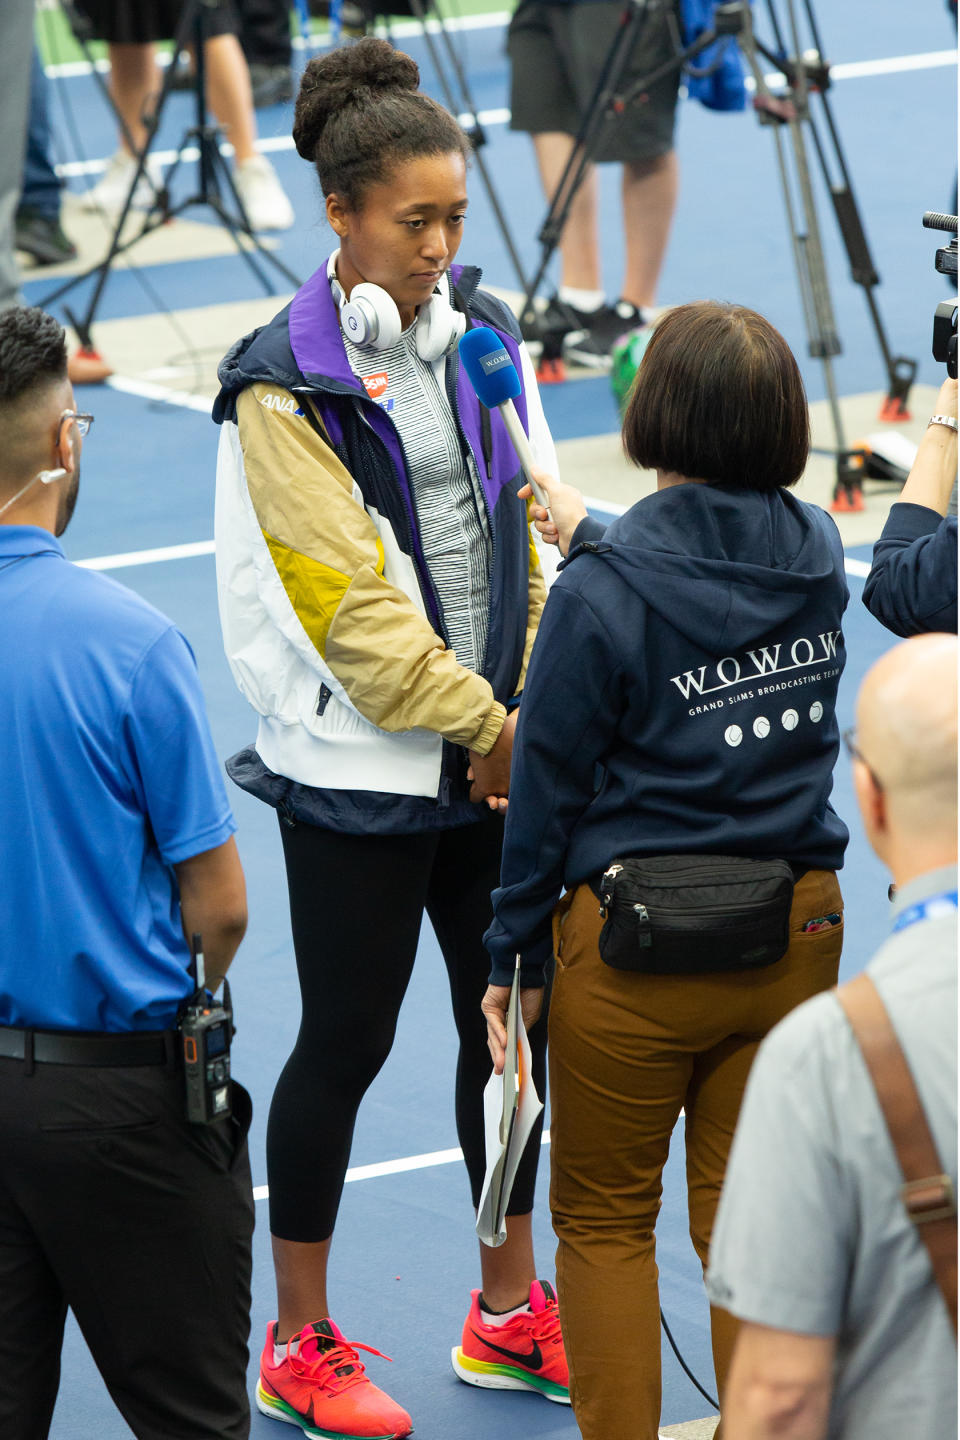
[{"x": 533, "y": 1358}]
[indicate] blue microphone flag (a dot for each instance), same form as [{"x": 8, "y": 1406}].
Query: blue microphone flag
[{"x": 489, "y": 367}]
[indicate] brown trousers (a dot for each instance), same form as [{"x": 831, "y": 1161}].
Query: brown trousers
[{"x": 626, "y": 1053}]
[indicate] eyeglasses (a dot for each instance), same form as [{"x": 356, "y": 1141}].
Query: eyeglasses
[
  {"x": 81, "y": 420},
  {"x": 849, "y": 738}
]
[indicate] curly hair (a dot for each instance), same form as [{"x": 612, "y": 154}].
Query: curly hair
[
  {"x": 359, "y": 113},
  {"x": 33, "y": 348}
]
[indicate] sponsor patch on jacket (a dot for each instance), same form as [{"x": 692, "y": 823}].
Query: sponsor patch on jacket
[
  {"x": 285, "y": 404},
  {"x": 375, "y": 385}
]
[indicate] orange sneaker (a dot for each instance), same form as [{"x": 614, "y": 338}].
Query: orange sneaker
[
  {"x": 323, "y": 1388},
  {"x": 524, "y": 1354}
]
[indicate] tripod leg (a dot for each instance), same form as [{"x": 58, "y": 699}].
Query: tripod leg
[
  {"x": 240, "y": 224},
  {"x": 824, "y": 341},
  {"x": 901, "y": 370}
]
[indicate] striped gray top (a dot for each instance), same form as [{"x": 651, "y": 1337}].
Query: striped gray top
[{"x": 451, "y": 510}]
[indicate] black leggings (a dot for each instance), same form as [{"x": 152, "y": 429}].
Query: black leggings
[{"x": 356, "y": 904}]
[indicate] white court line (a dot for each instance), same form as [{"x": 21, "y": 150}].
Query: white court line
[
  {"x": 398, "y": 1167},
  {"x": 858, "y": 568},
  {"x": 147, "y": 557},
  {"x": 147, "y": 390},
  {"x": 853, "y": 70}
]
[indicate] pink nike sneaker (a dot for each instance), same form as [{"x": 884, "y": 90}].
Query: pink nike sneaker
[
  {"x": 524, "y": 1354},
  {"x": 324, "y": 1389}
]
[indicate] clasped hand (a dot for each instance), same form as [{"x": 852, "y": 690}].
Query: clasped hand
[{"x": 490, "y": 773}]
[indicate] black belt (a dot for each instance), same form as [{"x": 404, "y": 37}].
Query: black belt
[{"x": 64, "y": 1047}]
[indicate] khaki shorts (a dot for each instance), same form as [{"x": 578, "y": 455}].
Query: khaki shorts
[{"x": 557, "y": 54}]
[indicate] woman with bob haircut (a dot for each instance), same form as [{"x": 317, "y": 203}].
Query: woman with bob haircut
[{"x": 671, "y": 771}]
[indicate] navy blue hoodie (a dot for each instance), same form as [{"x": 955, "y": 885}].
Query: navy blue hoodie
[{"x": 680, "y": 699}]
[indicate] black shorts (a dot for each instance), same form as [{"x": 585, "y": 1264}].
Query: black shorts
[
  {"x": 557, "y": 54},
  {"x": 140, "y": 22}
]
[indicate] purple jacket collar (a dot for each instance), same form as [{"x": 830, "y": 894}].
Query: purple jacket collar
[
  {"x": 317, "y": 345},
  {"x": 314, "y": 328}
]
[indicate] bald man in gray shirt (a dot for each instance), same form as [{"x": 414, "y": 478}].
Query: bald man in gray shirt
[{"x": 845, "y": 1333}]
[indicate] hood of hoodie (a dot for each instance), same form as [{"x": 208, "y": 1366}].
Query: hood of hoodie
[{"x": 681, "y": 550}]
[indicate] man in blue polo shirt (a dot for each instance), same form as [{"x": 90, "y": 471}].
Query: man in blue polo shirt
[{"x": 116, "y": 840}]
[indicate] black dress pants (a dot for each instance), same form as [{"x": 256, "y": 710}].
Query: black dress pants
[{"x": 112, "y": 1204}]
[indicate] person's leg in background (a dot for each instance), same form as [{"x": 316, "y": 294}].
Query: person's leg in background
[
  {"x": 720, "y": 1074},
  {"x": 649, "y": 189},
  {"x": 265, "y": 37},
  {"x": 14, "y": 104},
  {"x": 579, "y": 242},
  {"x": 543, "y": 105},
  {"x": 38, "y": 229},
  {"x": 135, "y": 84},
  {"x": 558, "y": 54},
  {"x": 641, "y": 141}
]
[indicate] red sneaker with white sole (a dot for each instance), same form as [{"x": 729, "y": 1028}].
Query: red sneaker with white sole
[
  {"x": 322, "y": 1386},
  {"x": 526, "y": 1353}
]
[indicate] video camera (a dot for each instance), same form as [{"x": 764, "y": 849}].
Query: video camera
[{"x": 945, "y": 316}]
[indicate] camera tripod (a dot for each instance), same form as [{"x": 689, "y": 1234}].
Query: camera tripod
[
  {"x": 804, "y": 74},
  {"x": 214, "y": 178},
  {"x": 807, "y": 73}
]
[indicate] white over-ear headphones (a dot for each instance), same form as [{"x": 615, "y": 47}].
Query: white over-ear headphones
[{"x": 371, "y": 319}]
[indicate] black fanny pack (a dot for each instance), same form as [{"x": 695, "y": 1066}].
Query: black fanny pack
[{"x": 695, "y": 914}]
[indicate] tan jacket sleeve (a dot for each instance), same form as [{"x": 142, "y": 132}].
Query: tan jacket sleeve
[{"x": 330, "y": 560}]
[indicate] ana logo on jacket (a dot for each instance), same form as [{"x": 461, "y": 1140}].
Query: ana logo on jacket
[{"x": 285, "y": 404}]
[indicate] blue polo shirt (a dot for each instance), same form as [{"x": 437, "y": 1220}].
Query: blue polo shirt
[{"x": 109, "y": 778}]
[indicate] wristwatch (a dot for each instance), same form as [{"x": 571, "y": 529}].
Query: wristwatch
[{"x": 948, "y": 420}]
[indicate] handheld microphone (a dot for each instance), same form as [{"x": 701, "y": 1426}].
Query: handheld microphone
[{"x": 494, "y": 376}]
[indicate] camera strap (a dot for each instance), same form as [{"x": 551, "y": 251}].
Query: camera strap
[{"x": 927, "y": 1192}]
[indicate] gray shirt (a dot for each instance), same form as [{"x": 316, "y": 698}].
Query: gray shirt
[
  {"x": 451, "y": 510},
  {"x": 811, "y": 1234}
]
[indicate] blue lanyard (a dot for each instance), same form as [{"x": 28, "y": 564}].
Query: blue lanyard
[{"x": 930, "y": 909}]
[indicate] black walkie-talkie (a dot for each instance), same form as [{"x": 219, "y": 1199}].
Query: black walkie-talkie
[{"x": 206, "y": 1029}]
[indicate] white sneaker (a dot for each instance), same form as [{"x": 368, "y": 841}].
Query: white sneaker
[
  {"x": 262, "y": 195},
  {"x": 112, "y": 189}
]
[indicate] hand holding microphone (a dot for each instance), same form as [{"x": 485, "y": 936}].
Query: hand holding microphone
[
  {"x": 493, "y": 375},
  {"x": 559, "y": 516}
]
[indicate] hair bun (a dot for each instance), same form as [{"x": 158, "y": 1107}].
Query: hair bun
[{"x": 345, "y": 77}]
